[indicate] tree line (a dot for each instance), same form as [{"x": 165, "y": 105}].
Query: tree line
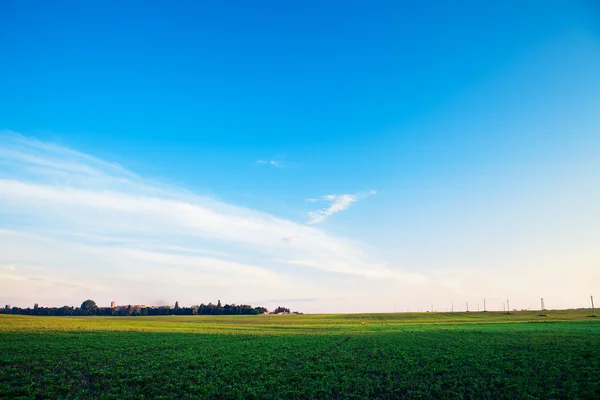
[{"x": 89, "y": 307}]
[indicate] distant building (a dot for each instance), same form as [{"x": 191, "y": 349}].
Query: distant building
[{"x": 113, "y": 304}]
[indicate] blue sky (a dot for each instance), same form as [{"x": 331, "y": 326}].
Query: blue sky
[{"x": 405, "y": 151}]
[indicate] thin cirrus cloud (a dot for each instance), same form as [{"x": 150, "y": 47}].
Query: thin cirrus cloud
[
  {"x": 74, "y": 225},
  {"x": 337, "y": 203},
  {"x": 273, "y": 163}
]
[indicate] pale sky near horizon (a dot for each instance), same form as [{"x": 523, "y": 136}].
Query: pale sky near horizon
[{"x": 339, "y": 157}]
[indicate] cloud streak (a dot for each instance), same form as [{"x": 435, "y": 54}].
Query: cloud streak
[
  {"x": 74, "y": 227},
  {"x": 70, "y": 217},
  {"x": 273, "y": 163},
  {"x": 337, "y": 203}
]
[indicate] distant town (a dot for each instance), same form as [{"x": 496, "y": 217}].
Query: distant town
[{"x": 89, "y": 308}]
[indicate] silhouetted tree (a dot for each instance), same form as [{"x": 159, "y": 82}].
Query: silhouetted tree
[{"x": 89, "y": 307}]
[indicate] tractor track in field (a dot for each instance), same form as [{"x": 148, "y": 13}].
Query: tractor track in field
[{"x": 329, "y": 350}]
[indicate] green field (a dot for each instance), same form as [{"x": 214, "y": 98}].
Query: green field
[{"x": 426, "y": 355}]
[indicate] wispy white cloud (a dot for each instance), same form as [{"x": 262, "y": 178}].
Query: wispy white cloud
[
  {"x": 70, "y": 217},
  {"x": 337, "y": 203},
  {"x": 274, "y": 163},
  {"x": 74, "y": 227},
  {"x": 9, "y": 267}
]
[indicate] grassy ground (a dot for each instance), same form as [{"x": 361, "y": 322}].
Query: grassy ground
[{"x": 426, "y": 355}]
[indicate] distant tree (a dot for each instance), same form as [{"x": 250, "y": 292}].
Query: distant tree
[
  {"x": 64, "y": 310},
  {"x": 89, "y": 307}
]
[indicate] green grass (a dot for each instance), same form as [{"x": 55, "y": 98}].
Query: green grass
[{"x": 419, "y": 355}]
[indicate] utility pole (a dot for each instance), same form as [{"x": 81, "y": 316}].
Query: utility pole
[
  {"x": 484, "y": 309},
  {"x": 593, "y": 309}
]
